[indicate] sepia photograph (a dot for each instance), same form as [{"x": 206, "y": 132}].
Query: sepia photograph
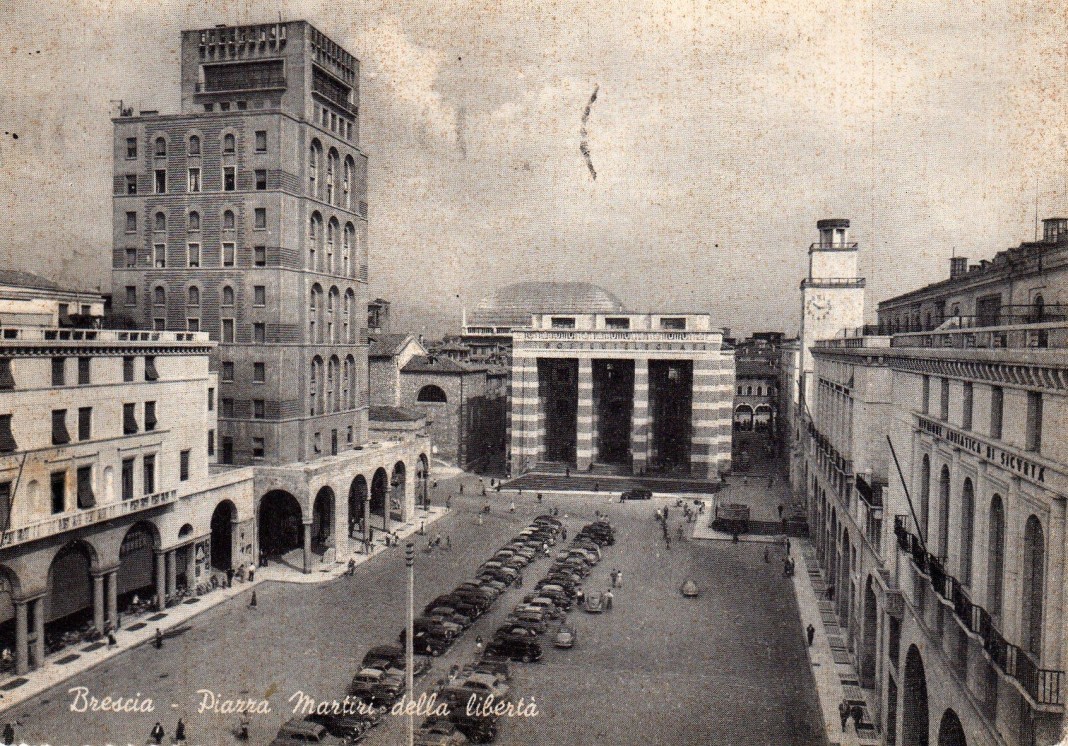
[{"x": 534, "y": 372}]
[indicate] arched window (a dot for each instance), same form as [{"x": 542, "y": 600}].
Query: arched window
[
  {"x": 161, "y": 146},
  {"x": 346, "y": 184},
  {"x": 159, "y": 296},
  {"x": 194, "y": 145},
  {"x": 315, "y": 235},
  {"x": 995, "y": 566},
  {"x": 432, "y": 394},
  {"x": 315, "y": 152},
  {"x": 332, "y": 229},
  {"x": 1039, "y": 309},
  {"x": 345, "y": 372},
  {"x": 314, "y": 304},
  {"x": 229, "y": 144},
  {"x": 346, "y": 250},
  {"x": 925, "y": 496},
  {"x": 943, "y": 511},
  {"x": 194, "y": 221},
  {"x": 1034, "y": 585},
  {"x": 332, "y": 167},
  {"x": 315, "y": 392},
  {"x": 160, "y": 223},
  {"x": 334, "y": 384},
  {"x": 967, "y": 530},
  {"x": 228, "y": 220},
  {"x": 194, "y": 296},
  {"x": 350, "y": 364},
  {"x": 227, "y": 295},
  {"x": 350, "y": 301}
]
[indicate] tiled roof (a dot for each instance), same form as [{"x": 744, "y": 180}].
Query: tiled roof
[
  {"x": 438, "y": 364},
  {"x": 394, "y": 414},
  {"x": 26, "y": 280},
  {"x": 512, "y": 305},
  {"x": 387, "y": 345}
]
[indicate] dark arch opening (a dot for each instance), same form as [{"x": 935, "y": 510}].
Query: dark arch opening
[
  {"x": 323, "y": 520},
  {"x": 915, "y": 727},
  {"x": 357, "y": 496},
  {"x": 398, "y": 492},
  {"x": 137, "y": 567},
  {"x": 9, "y": 590},
  {"x": 280, "y": 523},
  {"x": 379, "y": 494},
  {"x": 432, "y": 394},
  {"x": 222, "y": 535},
  {"x": 69, "y": 602},
  {"x": 950, "y": 731},
  {"x": 871, "y": 623}
]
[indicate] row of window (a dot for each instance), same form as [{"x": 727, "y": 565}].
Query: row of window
[
  {"x": 194, "y": 259},
  {"x": 192, "y": 145},
  {"x": 259, "y": 296},
  {"x": 327, "y": 189},
  {"x": 1033, "y": 426},
  {"x": 84, "y": 377},
  {"x": 130, "y": 426},
  {"x": 330, "y": 120},
  {"x": 749, "y": 390}
]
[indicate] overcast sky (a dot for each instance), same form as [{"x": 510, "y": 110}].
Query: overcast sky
[{"x": 721, "y": 132}]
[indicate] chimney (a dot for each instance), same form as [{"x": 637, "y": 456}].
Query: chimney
[{"x": 958, "y": 266}]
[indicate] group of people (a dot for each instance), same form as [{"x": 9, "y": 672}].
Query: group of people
[
  {"x": 662, "y": 517},
  {"x": 847, "y": 711},
  {"x": 158, "y": 733}
]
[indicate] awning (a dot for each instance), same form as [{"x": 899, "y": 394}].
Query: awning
[
  {"x": 7, "y": 438},
  {"x": 150, "y": 369},
  {"x": 86, "y": 498},
  {"x": 60, "y": 436},
  {"x": 7, "y": 380},
  {"x": 129, "y": 420},
  {"x": 150, "y": 415}
]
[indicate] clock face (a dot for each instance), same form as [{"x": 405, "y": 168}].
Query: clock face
[{"x": 818, "y": 307}]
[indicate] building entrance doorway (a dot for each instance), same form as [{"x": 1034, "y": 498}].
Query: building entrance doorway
[
  {"x": 671, "y": 411},
  {"x": 613, "y": 407},
  {"x": 280, "y": 524},
  {"x": 558, "y": 403}
]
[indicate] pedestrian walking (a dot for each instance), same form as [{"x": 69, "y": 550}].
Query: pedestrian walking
[
  {"x": 667, "y": 539},
  {"x": 596, "y": 486},
  {"x": 437, "y": 540},
  {"x": 608, "y": 600},
  {"x": 9, "y": 734},
  {"x": 511, "y": 507},
  {"x": 811, "y": 632},
  {"x": 539, "y": 498},
  {"x": 179, "y": 732},
  {"x": 788, "y": 545},
  {"x": 843, "y": 714},
  {"x": 229, "y": 576},
  {"x": 830, "y": 593},
  {"x": 251, "y": 572},
  {"x": 159, "y": 640},
  {"x": 352, "y": 566},
  {"x": 780, "y": 512},
  {"x": 483, "y": 491},
  {"x": 563, "y": 534},
  {"x": 112, "y": 642},
  {"x": 619, "y": 578},
  {"x": 157, "y": 735},
  {"x": 858, "y": 715},
  {"x": 613, "y": 575},
  {"x": 461, "y": 488},
  {"x": 665, "y": 512},
  {"x": 448, "y": 501},
  {"x": 479, "y": 519},
  {"x": 519, "y": 580},
  {"x": 448, "y": 542},
  {"x": 734, "y": 535},
  {"x": 478, "y": 643},
  {"x": 252, "y": 601},
  {"x": 678, "y": 532}
]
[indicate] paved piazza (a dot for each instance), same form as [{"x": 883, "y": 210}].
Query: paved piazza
[{"x": 726, "y": 668}]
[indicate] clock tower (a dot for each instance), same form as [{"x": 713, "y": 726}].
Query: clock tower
[{"x": 832, "y": 296}]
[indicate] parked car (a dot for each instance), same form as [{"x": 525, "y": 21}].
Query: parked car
[
  {"x": 493, "y": 664},
  {"x": 392, "y": 656},
  {"x": 476, "y": 729},
  {"x": 516, "y": 649},
  {"x": 439, "y": 732},
  {"x": 565, "y": 637},
  {"x": 486, "y": 684},
  {"x": 452, "y": 615},
  {"x": 376, "y": 686},
  {"x": 594, "y": 603},
  {"x": 427, "y": 642},
  {"x": 517, "y": 629},
  {"x": 638, "y": 493},
  {"x": 296, "y": 731},
  {"x": 545, "y": 603},
  {"x": 549, "y": 520},
  {"x": 352, "y": 727}
]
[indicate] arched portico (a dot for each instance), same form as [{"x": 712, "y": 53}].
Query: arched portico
[
  {"x": 915, "y": 727},
  {"x": 950, "y": 730},
  {"x": 743, "y": 417},
  {"x": 141, "y": 575},
  {"x": 282, "y": 528},
  {"x": 322, "y": 527},
  {"x": 69, "y": 599},
  {"x": 398, "y": 493},
  {"x": 359, "y": 507},
  {"x": 223, "y": 519},
  {"x": 380, "y": 496},
  {"x": 869, "y": 633},
  {"x": 422, "y": 474}
]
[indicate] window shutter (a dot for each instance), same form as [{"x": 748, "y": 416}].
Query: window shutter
[
  {"x": 86, "y": 498},
  {"x": 129, "y": 420},
  {"x": 150, "y": 369},
  {"x": 7, "y": 380},
  {"x": 7, "y": 438},
  {"x": 60, "y": 436},
  {"x": 150, "y": 415}
]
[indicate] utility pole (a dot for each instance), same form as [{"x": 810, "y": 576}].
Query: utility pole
[{"x": 409, "y": 642}]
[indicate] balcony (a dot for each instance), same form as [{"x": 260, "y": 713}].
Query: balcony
[
  {"x": 334, "y": 96},
  {"x": 39, "y": 334},
  {"x": 600, "y": 335},
  {"x": 1042, "y": 685},
  {"x": 67, "y": 522},
  {"x": 833, "y": 282}
]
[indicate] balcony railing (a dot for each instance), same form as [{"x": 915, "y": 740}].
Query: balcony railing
[
  {"x": 600, "y": 335},
  {"x": 39, "y": 334},
  {"x": 1043, "y": 685},
  {"x": 61, "y": 523},
  {"x": 833, "y": 282}
]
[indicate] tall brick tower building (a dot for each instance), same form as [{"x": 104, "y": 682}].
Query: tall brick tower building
[{"x": 245, "y": 216}]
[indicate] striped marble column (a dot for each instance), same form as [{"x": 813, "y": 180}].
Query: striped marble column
[
  {"x": 713, "y": 384},
  {"x": 524, "y": 415},
  {"x": 584, "y": 425},
  {"x": 639, "y": 427}
]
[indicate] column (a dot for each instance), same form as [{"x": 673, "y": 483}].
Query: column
[
  {"x": 37, "y": 610},
  {"x": 524, "y": 415},
  {"x": 172, "y": 571},
  {"x": 22, "y": 641},
  {"x": 584, "y": 418},
  {"x": 161, "y": 579},
  {"x": 98, "y": 601},
  {"x": 306, "y": 537},
  {"x": 366, "y": 517},
  {"x": 112, "y": 586},
  {"x": 191, "y": 567},
  {"x": 385, "y": 511},
  {"x": 639, "y": 422},
  {"x": 711, "y": 419}
]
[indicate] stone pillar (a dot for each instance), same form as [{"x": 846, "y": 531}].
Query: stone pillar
[
  {"x": 710, "y": 419},
  {"x": 584, "y": 419},
  {"x": 639, "y": 423},
  {"x": 366, "y": 517},
  {"x": 172, "y": 571},
  {"x": 112, "y": 586},
  {"x": 191, "y": 567},
  {"x": 22, "y": 638},
  {"x": 98, "y": 601},
  {"x": 306, "y": 537},
  {"x": 161, "y": 579},
  {"x": 37, "y": 610},
  {"x": 1052, "y": 650}
]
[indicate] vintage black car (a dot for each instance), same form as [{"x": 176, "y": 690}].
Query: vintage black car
[{"x": 516, "y": 649}]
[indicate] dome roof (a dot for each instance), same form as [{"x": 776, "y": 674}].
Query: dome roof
[{"x": 512, "y": 305}]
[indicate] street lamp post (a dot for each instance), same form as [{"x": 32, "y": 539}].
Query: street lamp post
[{"x": 409, "y": 643}]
